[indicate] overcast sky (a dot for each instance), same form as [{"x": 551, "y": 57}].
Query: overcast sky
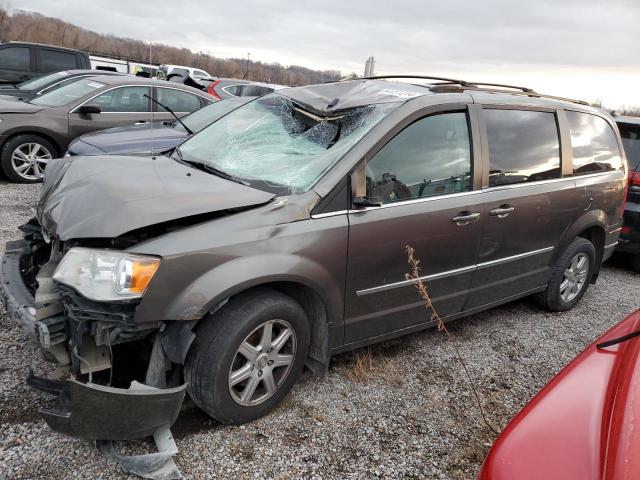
[{"x": 580, "y": 48}]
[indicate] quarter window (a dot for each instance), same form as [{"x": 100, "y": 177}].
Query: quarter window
[
  {"x": 594, "y": 145},
  {"x": 430, "y": 157},
  {"x": 523, "y": 146},
  {"x": 53, "y": 61},
  {"x": 177, "y": 100},
  {"x": 15, "y": 58},
  {"x": 124, "y": 99}
]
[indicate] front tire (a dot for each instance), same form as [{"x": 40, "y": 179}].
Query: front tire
[
  {"x": 247, "y": 356},
  {"x": 23, "y": 158},
  {"x": 570, "y": 277}
]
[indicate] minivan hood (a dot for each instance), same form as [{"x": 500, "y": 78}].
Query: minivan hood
[
  {"x": 135, "y": 139},
  {"x": 107, "y": 196},
  {"x": 10, "y": 104}
]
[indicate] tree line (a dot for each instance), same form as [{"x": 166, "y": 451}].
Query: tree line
[{"x": 33, "y": 27}]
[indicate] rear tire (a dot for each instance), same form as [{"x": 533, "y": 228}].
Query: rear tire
[
  {"x": 23, "y": 158},
  {"x": 570, "y": 277},
  {"x": 236, "y": 385}
]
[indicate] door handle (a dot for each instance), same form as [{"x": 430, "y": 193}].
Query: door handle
[
  {"x": 141, "y": 122},
  {"x": 465, "y": 218},
  {"x": 502, "y": 211}
]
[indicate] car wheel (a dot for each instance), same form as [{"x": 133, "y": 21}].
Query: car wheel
[
  {"x": 23, "y": 158},
  {"x": 570, "y": 277},
  {"x": 635, "y": 262},
  {"x": 247, "y": 356}
]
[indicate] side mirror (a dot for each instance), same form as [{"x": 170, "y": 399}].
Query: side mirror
[{"x": 89, "y": 109}]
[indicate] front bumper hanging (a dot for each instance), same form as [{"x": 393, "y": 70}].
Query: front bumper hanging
[{"x": 92, "y": 411}]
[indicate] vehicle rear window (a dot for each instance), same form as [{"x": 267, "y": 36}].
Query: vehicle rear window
[
  {"x": 631, "y": 143},
  {"x": 430, "y": 157},
  {"x": 43, "y": 80},
  {"x": 15, "y": 58},
  {"x": 53, "y": 60},
  {"x": 594, "y": 144},
  {"x": 207, "y": 115},
  {"x": 524, "y": 146},
  {"x": 68, "y": 93}
]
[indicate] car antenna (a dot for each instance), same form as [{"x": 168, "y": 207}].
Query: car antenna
[{"x": 171, "y": 112}]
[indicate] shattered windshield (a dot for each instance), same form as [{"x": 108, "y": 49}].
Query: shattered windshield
[{"x": 274, "y": 144}]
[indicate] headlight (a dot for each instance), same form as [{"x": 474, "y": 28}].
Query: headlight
[{"x": 106, "y": 275}]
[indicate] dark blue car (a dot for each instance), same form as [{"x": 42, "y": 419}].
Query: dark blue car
[{"x": 152, "y": 138}]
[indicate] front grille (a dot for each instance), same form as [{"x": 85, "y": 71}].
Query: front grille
[{"x": 108, "y": 323}]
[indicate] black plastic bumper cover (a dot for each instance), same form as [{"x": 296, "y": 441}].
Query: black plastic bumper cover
[{"x": 98, "y": 412}]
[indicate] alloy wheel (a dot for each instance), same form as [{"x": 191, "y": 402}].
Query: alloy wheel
[
  {"x": 30, "y": 159},
  {"x": 575, "y": 276},
  {"x": 262, "y": 362}
]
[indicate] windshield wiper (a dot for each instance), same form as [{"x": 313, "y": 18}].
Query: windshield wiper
[
  {"x": 618, "y": 340},
  {"x": 171, "y": 112},
  {"x": 207, "y": 168}
]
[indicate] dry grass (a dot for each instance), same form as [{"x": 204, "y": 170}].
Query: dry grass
[
  {"x": 415, "y": 275},
  {"x": 362, "y": 367}
]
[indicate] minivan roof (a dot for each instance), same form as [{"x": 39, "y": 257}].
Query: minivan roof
[{"x": 333, "y": 97}]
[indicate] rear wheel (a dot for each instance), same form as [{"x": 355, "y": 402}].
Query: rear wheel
[
  {"x": 24, "y": 158},
  {"x": 247, "y": 356},
  {"x": 571, "y": 276}
]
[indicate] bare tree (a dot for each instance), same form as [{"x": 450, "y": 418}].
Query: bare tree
[{"x": 30, "y": 26}]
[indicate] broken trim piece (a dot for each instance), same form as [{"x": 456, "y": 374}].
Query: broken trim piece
[{"x": 155, "y": 466}]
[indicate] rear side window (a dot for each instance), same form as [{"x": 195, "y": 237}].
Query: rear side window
[
  {"x": 233, "y": 89},
  {"x": 15, "y": 58},
  {"x": 430, "y": 157},
  {"x": 177, "y": 100},
  {"x": 524, "y": 146},
  {"x": 594, "y": 144},
  {"x": 53, "y": 61},
  {"x": 254, "y": 91},
  {"x": 631, "y": 142}
]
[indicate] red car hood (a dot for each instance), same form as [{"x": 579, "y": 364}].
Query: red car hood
[{"x": 583, "y": 425}]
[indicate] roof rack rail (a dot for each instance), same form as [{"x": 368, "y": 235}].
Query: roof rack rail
[
  {"x": 500, "y": 85},
  {"x": 496, "y": 88},
  {"x": 447, "y": 81},
  {"x": 455, "y": 85}
]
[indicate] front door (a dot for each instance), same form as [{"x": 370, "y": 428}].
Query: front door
[
  {"x": 121, "y": 106},
  {"x": 422, "y": 179}
]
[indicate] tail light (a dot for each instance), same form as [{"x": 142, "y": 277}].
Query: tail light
[
  {"x": 211, "y": 90},
  {"x": 634, "y": 181}
]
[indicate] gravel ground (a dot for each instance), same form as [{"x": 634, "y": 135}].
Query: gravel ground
[{"x": 401, "y": 409}]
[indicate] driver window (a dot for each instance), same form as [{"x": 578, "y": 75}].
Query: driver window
[{"x": 430, "y": 157}]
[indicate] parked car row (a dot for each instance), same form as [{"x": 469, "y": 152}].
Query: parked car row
[
  {"x": 58, "y": 107},
  {"x": 35, "y": 131}
]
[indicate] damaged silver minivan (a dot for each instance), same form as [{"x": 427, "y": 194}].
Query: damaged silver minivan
[{"x": 276, "y": 237}]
